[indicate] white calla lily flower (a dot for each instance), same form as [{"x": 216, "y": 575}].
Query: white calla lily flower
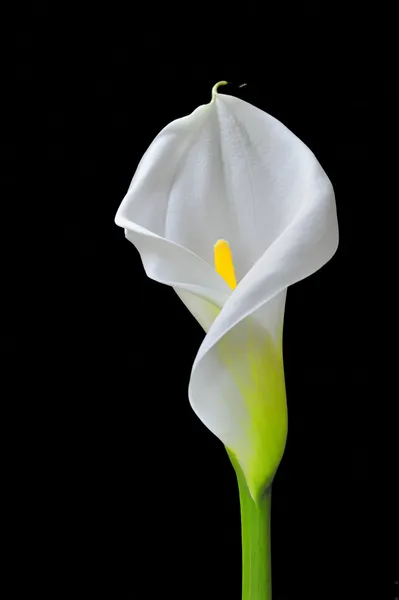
[{"x": 229, "y": 171}]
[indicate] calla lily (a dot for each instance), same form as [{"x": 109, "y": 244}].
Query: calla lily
[
  {"x": 232, "y": 175},
  {"x": 229, "y": 208}
]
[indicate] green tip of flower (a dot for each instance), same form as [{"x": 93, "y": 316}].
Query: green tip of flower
[{"x": 215, "y": 88}]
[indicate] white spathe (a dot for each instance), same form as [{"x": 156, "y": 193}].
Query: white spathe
[{"x": 231, "y": 171}]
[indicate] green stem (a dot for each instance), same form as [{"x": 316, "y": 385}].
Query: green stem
[{"x": 255, "y": 534}]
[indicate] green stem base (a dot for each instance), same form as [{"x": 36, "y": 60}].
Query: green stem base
[{"x": 255, "y": 535}]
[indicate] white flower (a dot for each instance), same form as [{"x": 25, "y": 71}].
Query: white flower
[{"x": 229, "y": 171}]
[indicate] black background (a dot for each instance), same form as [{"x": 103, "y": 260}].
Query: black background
[{"x": 115, "y": 488}]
